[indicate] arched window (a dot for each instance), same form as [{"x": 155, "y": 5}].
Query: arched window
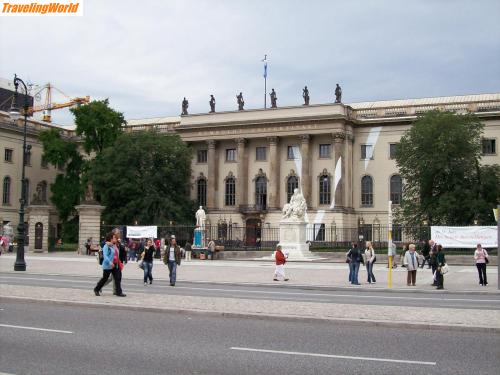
[
  {"x": 27, "y": 190},
  {"x": 291, "y": 184},
  {"x": 366, "y": 191},
  {"x": 324, "y": 189},
  {"x": 6, "y": 190},
  {"x": 261, "y": 193},
  {"x": 202, "y": 192},
  {"x": 396, "y": 189},
  {"x": 230, "y": 191}
]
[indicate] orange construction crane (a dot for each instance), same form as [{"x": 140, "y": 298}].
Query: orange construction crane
[{"x": 49, "y": 106}]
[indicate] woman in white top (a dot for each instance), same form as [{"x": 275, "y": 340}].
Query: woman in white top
[
  {"x": 370, "y": 260},
  {"x": 411, "y": 263},
  {"x": 481, "y": 258}
]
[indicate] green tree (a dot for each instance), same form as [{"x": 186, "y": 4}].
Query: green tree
[
  {"x": 144, "y": 177},
  {"x": 439, "y": 161}
]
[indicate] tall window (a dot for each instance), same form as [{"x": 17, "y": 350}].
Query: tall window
[
  {"x": 324, "y": 189},
  {"x": 44, "y": 163},
  {"x": 202, "y": 156},
  {"x": 291, "y": 184},
  {"x": 202, "y": 192},
  {"x": 366, "y": 151},
  {"x": 231, "y": 154},
  {"x": 260, "y": 153},
  {"x": 366, "y": 191},
  {"x": 43, "y": 190},
  {"x": 489, "y": 146},
  {"x": 396, "y": 189},
  {"x": 392, "y": 150},
  {"x": 6, "y": 190},
  {"x": 293, "y": 152},
  {"x": 8, "y": 155},
  {"x": 261, "y": 193},
  {"x": 27, "y": 158},
  {"x": 325, "y": 151},
  {"x": 230, "y": 191}
]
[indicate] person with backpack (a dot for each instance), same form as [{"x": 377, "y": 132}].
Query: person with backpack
[
  {"x": 482, "y": 259},
  {"x": 280, "y": 264},
  {"x": 111, "y": 265},
  {"x": 370, "y": 260}
]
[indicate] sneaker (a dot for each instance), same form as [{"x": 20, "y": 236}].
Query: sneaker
[
  {"x": 286, "y": 279},
  {"x": 121, "y": 295},
  {"x": 96, "y": 292},
  {"x": 275, "y": 279},
  {"x": 145, "y": 283}
]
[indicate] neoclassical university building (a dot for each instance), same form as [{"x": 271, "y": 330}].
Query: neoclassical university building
[{"x": 247, "y": 163}]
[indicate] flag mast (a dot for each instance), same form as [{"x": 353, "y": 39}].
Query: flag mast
[{"x": 265, "y": 81}]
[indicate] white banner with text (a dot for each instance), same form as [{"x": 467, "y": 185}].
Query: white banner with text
[
  {"x": 465, "y": 237},
  {"x": 142, "y": 232}
]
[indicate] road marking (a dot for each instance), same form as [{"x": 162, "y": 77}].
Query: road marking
[
  {"x": 5, "y": 373},
  {"x": 335, "y": 356},
  {"x": 35, "y": 328}
]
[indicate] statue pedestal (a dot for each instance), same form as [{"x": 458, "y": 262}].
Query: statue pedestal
[
  {"x": 293, "y": 240},
  {"x": 199, "y": 238}
]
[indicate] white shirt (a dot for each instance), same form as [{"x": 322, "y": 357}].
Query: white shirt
[{"x": 171, "y": 254}]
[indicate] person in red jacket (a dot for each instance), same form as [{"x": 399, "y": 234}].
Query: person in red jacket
[{"x": 280, "y": 264}]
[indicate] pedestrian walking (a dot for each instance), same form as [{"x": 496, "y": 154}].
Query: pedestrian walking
[
  {"x": 432, "y": 255},
  {"x": 187, "y": 249},
  {"x": 370, "y": 261},
  {"x": 172, "y": 258},
  {"x": 147, "y": 261},
  {"x": 132, "y": 252},
  {"x": 411, "y": 264},
  {"x": 111, "y": 265},
  {"x": 355, "y": 257},
  {"x": 280, "y": 264},
  {"x": 482, "y": 259},
  {"x": 122, "y": 251},
  {"x": 440, "y": 262}
]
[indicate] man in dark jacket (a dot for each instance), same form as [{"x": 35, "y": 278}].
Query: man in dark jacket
[{"x": 172, "y": 259}]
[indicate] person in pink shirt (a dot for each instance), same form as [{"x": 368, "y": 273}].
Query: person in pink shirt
[{"x": 481, "y": 257}]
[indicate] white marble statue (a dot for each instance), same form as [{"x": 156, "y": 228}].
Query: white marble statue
[
  {"x": 200, "y": 218},
  {"x": 296, "y": 209}
]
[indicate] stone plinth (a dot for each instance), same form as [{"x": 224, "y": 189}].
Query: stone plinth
[
  {"x": 39, "y": 227},
  {"x": 293, "y": 240},
  {"x": 89, "y": 225}
]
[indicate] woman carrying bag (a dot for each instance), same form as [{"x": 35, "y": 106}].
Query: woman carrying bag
[
  {"x": 482, "y": 259},
  {"x": 147, "y": 261}
]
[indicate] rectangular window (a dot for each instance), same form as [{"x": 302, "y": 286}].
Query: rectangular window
[
  {"x": 293, "y": 152},
  {"x": 44, "y": 164},
  {"x": 319, "y": 232},
  {"x": 366, "y": 152},
  {"x": 202, "y": 156},
  {"x": 260, "y": 153},
  {"x": 392, "y": 150},
  {"x": 325, "y": 151},
  {"x": 231, "y": 154},
  {"x": 489, "y": 146},
  {"x": 27, "y": 158},
  {"x": 9, "y": 155}
]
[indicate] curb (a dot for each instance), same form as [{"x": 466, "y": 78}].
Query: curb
[
  {"x": 327, "y": 288},
  {"x": 288, "y": 318}
]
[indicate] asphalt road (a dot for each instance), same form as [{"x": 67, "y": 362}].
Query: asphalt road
[
  {"x": 280, "y": 291},
  {"x": 39, "y": 338}
]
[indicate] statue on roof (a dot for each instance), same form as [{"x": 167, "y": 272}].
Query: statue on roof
[
  {"x": 185, "y": 105},
  {"x": 241, "y": 102},
  {"x": 212, "y": 104},
  {"x": 274, "y": 99},
  {"x": 305, "y": 95},
  {"x": 338, "y": 94}
]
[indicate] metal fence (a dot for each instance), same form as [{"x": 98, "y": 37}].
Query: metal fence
[{"x": 320, "y": 236}]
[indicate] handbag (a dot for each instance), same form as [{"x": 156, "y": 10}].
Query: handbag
[
  {"x": 140, "y": 264},
  {"x": 445, "y": 269}
]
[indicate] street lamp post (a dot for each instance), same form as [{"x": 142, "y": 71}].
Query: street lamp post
[{"x": 20, "y": 264}]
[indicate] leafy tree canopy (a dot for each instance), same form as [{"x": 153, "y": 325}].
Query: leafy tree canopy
[
  {"x": 144, "y": 177},
  {"x": 439, "y": 161}
]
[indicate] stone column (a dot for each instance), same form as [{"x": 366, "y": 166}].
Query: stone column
[
  {"x": 39, "y": 214},
  {"x": 338, "y": 140},
  {"x": 348, "y": 185},
  {"x": 305, "y": 182},
  {"x": 274, "y": 173},
  {"x": 213, "y": 175},
  {"x": 242, "y": 177},
  {"x": 89, "y": 225}
]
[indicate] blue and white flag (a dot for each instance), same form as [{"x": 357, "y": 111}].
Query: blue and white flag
[{"x": 265, "y": 70}]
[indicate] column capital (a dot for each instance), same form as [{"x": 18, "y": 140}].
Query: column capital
[
  {"x": 273, "y": 141},
  {"x": 305, "y": 138},
  {"x": 241, "y": 141},
  {"x": 339, "y": 137},
  {"x": 211, "y": 143}
]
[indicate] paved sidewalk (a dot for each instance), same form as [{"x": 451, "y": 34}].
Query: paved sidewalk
[{"x": 312, "y": 275}]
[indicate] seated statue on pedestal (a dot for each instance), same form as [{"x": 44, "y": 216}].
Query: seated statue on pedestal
[{"x": 296, "y": 209}]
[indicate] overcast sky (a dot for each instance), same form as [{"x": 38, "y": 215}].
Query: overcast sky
[{"x": 145, "y": 56}]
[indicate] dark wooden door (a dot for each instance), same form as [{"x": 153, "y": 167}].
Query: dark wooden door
[{"x": 38, "y": 235}]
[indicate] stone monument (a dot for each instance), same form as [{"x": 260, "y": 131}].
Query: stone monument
[
  {"x": 185, "y": 105},
  {"x": 89, "y": 212},
  {"x": 293, "y": 228},
  {"x": 39, "y": 212}
]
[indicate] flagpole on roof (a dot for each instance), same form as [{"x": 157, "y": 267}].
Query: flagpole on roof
[{"x": 265, "y": 80}]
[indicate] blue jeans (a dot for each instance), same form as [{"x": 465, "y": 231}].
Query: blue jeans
[
  {"x": 148, "y": 271},
  {"x": 351, "y": 271},
  {"x": 354, "y": 273},
  {"x": 369, "y": 270},
  {"x": 172, "y": 269}
]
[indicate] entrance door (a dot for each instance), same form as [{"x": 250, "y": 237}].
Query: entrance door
[
  {"x": 38, "y": 236},
  {"x": 253, "y": 232}
]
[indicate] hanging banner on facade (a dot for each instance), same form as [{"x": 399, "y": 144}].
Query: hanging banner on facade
[
  {"x": 142, "y": 232},
  {"x": 465, "y": 237}
]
